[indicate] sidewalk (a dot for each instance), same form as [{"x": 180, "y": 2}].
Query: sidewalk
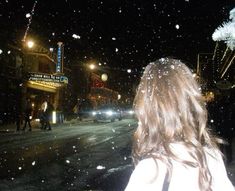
[
  {"x": 10, "y": 128},
  {"x": 36, "y": 126}
]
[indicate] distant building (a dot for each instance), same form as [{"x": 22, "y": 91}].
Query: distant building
[
  {"x": 31, "y": 74},
  {"x": 99, "y": 93}
]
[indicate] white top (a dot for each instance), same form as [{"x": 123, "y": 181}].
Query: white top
[{"x": 146, "y": 177}]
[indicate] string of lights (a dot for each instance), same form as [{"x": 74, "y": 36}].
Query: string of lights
[{"x": 30, "y": 20}]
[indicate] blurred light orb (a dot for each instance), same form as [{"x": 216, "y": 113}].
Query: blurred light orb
[
  {"x": 104, "y": 77},
  {"x": 92, "y": 66},
  {"x": 28, "y": 15},
  {"x": 129, "y": 71},
  {"x": 177, "y": 26},
  {"x": 76, "y": 36},
  {"x": 30, "y": 44},
  {"x": 1, "y": 51}
]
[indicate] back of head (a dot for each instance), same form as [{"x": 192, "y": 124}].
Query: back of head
[{"x": 170, "y": 109}]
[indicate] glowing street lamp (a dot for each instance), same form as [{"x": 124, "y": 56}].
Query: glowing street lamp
[
  {"x": 92, "y": 66},
  {"x": 30, "y": 44}
]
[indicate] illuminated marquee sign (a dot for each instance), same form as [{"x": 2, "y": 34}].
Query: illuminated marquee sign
[
  {"x": 48, "y": 78},
  {"x": 59, "y": 64}
]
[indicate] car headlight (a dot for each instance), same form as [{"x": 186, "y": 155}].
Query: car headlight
[
  {"x": 131, "y": 112},
  {"x": 94, "y": 113},
  {"x": 109, "y": 113}
]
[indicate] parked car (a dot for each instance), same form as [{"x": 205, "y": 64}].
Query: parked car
[
  {"x": 107, "y": 113},
  {"x": 128, "y": 112}
]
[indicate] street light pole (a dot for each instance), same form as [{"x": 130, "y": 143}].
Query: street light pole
[{"x": 89, "y": 68}]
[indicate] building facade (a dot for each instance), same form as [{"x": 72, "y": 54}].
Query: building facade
[{"x": 29, "y": 75}]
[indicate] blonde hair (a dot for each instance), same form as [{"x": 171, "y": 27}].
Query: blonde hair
[{"x": 170, "y": 109}]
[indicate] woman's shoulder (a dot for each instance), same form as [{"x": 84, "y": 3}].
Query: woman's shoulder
[
  {"x": 148, "y": 174},
  {"x": 212, "y": 153},
  {"x": 150, "y": 162},
  {"x": 148, "y": 169}
]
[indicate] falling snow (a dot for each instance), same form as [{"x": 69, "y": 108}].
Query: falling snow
[
  {"x": 28, "y": 15},
  {"x": 121, "y": 37},
  {"x": 177, "y": 26},
  {"x": 100, "y": 167},
  {"x": 76, "y": 36}
]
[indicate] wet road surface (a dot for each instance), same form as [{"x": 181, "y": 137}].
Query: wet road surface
[{"x": 82, "y": 156}]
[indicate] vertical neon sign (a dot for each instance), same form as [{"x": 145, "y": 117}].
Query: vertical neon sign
[{"x": 60, "y": 52}]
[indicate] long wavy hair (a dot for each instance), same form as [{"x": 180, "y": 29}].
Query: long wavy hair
[{"x": 170, "y": 109}]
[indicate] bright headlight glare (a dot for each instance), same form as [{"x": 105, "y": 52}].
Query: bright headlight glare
[
  {"x": 93, "y": 113},
  {"x": 131, "y": 112},
  {"x": 109, "y": 113}
]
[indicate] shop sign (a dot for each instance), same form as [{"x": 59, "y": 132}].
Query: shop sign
[
  {"x": 48, "y": 78},
  {"x": 59, "y": 64}
]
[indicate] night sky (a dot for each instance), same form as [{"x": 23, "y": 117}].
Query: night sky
[{"x": 121, "y": 33}]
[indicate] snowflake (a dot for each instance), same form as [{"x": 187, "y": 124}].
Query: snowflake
[
  {"x": 100, "y": 167},
  {"x": 28, "y": 15},
  {"x": 76, "y": 36}
]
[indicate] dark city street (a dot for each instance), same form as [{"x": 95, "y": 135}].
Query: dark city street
[{"x": 80, "y": 156}]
